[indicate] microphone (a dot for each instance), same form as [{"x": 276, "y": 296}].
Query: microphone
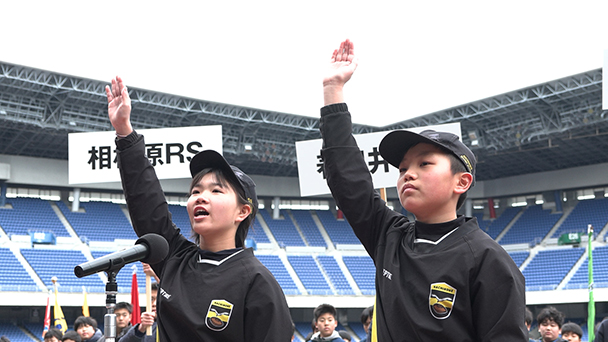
[{"x": 150, "y": 248}]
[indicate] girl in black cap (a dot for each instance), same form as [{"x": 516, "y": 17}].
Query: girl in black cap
[{"x": 213, "y": 289}]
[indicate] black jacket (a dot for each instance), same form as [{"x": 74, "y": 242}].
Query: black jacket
[
  {"x": 464, "y": 288},
  {"x": 234, "y": 299}
]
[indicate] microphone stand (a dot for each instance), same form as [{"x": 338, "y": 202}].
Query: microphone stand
[{"x": 109, "y": 320}]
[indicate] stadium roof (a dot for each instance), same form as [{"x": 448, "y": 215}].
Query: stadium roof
[{"x": 550, "y": 126}]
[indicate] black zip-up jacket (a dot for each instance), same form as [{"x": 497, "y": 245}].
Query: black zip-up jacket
[
  {"x": 234, "y": 298},
  {"x": 462, "y": 287}
]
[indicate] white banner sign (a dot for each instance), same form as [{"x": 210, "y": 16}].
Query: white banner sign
[
  {"x": 310, "y": 163},
  {"x": 92, "y": 156}
]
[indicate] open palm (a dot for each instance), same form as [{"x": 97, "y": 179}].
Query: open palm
[
  {"x": 119, "y": 106},
  {"x": 342, "y": 64}
]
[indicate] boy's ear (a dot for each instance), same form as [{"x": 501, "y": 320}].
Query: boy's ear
[{"x": 465, "y": 179}]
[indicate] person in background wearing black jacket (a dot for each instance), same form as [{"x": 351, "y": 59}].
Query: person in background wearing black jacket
[
  {"x": 440, "y": 278},
  {"x": 601, "y": 331},
  {"x": 213, "y": 289},
  {"x": 86, "y": 327}
]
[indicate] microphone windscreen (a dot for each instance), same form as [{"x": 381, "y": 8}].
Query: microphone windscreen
[{"x": 158, "y": 248}]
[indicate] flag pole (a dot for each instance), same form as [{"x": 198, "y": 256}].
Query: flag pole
[
  {"x": 591, "y": 308},
  {"x": 85, "y": 303},
  {"x": 148, "y": 301},
  {"x": 47, "y": 315},
  {"x": 58, "y": 317}
]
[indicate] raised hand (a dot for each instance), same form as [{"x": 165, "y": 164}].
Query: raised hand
[
  {"x": 149, "y": 271},
  {"x": 119, "y": 107},
  {"x": 341, "y": 67},
  {"x": 342, "y": 64}
]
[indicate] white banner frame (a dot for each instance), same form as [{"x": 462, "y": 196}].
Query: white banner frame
[
  {"x": 92, "y": 155},
  {"x": 310, "y": 174}
]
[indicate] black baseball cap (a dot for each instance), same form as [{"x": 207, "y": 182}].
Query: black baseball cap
[
  {"x": 572, "y": 327},
  {"x": 212, "y": 159},
  {"x": 395, "y": 144}
]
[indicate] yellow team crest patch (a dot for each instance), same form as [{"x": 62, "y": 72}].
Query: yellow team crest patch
[
  {"x": 218, "y": 314},
  {"x": 441, "y": 300}
]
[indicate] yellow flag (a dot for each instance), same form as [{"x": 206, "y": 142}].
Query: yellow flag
[
  {"x": 85, "y": 304},
  {"x": 58, "y": 317}
]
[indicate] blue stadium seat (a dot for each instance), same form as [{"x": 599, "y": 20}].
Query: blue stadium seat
[
  {"x": 332, "y": 269},
  {"x": 15, "y": 334},
  {"x": 13, "y": 277},
  {"x": 277, "y": 268},
  {"x": 549, "y": 267},
  {"x": 594, "y": 212},
  {"x": 519, "y": 257},
  {"x": 309, "y": 228},
  {"x": 496, "y": 226},
  {"x": 50, "y": 263},
  {"x": 363, "y": 270},
  {"x": 310, "y": 275},
  {"x": 533, "y": 225},
  {"x": 580, "y": 279},
  {"x": 339, "y": 231},
  {"x": 30, "y": 214},
  {"x": 284, "y": 231},
  {"x": 101, "y": 221}
]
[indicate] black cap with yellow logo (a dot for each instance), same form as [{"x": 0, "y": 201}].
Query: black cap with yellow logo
[
  {"x": 395, "y": 144},
  {"x": 212, "y": 159}
]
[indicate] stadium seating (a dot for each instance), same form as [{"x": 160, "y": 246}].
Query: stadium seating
[
  {"x": 276, "y": 266},
  {"x": 30, "y": 214},
  {"x": 13, "y": 333},
  {"x": 501, "y": 222},
  {"x": 257, "y": 233},
  {"x": 309, "y": 228},
  {"x": 549, "y": 267},
  {"x": 335, "y": 274},
  {"x": 284, "y": 231},
  {"x": 580, "y": 279},
  {"x": 60, "y": 263},
  {"x": 519, "y": 257},
  {"x": 594, "y": 212},
  {"x": 100, "y": 221},
  {"x": 534, "y": 224},
  {"x": 363, "y": 271},
  {"x": 13, "y": 277},
  {"x": 339, "y": 231},
  {"x": 310, "y": 275}
]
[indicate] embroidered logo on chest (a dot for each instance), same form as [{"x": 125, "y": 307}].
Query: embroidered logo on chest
[
  {"x": 218, "y": 314},
  {"x": 441, "y": 300}
]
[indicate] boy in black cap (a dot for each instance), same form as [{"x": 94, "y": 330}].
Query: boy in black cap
[
  {"x": 439, "y": 278},
  {"x": 214, "y": 289},
  {"x": 572, "y": 332}
]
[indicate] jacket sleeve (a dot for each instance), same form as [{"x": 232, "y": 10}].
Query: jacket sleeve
[
  {"x": 144, "y": 195},
  {"x": 499, "y": 299},
  {"x": 349, "y": 178},
  {"x": 133, "y": 335}
]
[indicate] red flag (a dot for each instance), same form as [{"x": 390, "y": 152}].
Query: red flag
[
  {"x": 136, "y": 311},
  {"x": 47, "y": 316}
]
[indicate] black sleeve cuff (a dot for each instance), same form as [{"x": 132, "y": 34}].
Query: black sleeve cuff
[
  {"x": 124, "y": 143},
  {"x": 334, "y": 108},
  {"x": 137, "y": 332}
]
